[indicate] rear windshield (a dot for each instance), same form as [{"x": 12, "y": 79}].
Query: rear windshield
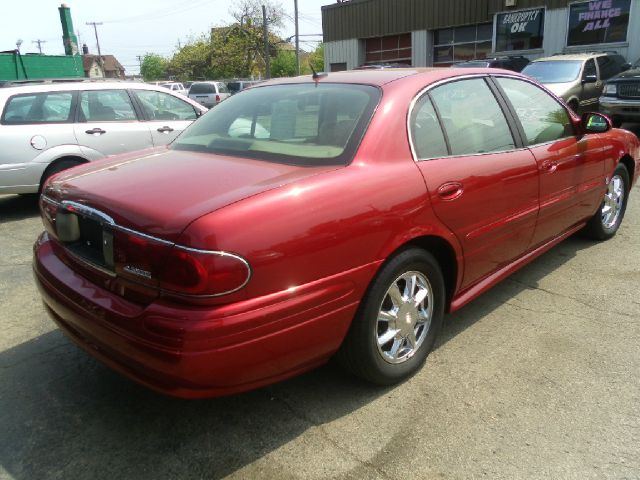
[
  {"x": 202, "y": 88},
  {"x": 304, "y": 124},
  {"x": 233, "y": 87},
  {"x": 554, "y": 71}
]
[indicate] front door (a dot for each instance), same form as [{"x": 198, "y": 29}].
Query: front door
[
  {"x": 480, "y": 184},
  {"x": 570, "y": 167},
  {"x": 167, "y": 115},
  {"x": 590, "y": 90}
]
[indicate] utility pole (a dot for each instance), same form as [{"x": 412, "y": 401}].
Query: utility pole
[
  {"x": 139, "y": 57},
  {"x": 265, "y": 39},
  {"x": 295, "y": 14},
  {"x": 39, "y": 42},
  {"x": 95, "y": 29}
]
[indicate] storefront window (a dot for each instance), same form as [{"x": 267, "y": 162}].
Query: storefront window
[
  {"x": 598, "y": 22},
  {"x": 522, "y": 30},
  {"x": 458, "y": 44}
]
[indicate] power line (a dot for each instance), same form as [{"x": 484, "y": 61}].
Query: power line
[
  {"x": 95, "y": 29},
  {"x": 39, "y": 42}
]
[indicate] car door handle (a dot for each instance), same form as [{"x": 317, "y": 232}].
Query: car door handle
[
  {"x": 165, "y": 129},
  {"x": 450, "y": 190},
  {"x": 549, "y": 166},
  {"x": 95, "y": 131}
]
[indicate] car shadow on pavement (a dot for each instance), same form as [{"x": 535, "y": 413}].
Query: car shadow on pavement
[
  {"x": 65, "y": 415},
  {"x": 18, "y": 207}
]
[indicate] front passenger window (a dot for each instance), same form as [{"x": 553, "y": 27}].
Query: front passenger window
[
  {"x": 164, "y": 106},
  {"x": 542, "y": 117}
]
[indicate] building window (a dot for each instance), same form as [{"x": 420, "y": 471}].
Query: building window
[
  {"x": 459, "y": 44},
  {"x": 598, "y": 22},
  {"x": 390, "y": 49},
  {"x": 521, "y": 30}
]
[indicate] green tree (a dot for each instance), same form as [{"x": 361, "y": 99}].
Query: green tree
[
  {"x": 316, "y": 58},
  {"x": 154, "y": 67},
  {"x": 284, "y": 64},
  {"x": 230, "y": 51}
]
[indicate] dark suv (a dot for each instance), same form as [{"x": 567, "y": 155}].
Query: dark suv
[
  {"x": 621, "y": 96},
  {"x": 511, "y": 62}
]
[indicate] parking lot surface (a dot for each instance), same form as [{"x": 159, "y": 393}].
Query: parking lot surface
[{"x": 538, "y": 378}]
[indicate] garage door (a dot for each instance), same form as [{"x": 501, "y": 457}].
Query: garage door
[{"x": 389, "y": 49}]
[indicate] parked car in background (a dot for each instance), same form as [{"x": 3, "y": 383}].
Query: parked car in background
[
  {"x": 379, "y": 66},
  {"x": 235, "y": 86},
  {"x": 621, "y": 96},
  {"x": 175, "y": 87},
  {"x": 208, "y": 94},
  {"x": 308, "y": 217},
  {"x": 47, "y": 127},
  {"x": 577, "y": 78},
  {"x": 509, "y": 62}
]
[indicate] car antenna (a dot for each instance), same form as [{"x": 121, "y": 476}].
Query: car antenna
[{"x": 316, "y": 76}]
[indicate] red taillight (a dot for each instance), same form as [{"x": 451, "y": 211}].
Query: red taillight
[
  {"x": 198, "y": 272},
  {"x": 138, "y": 258},
  {"x": 177, "y": 270},
  {"x": 217, "y": 98}
]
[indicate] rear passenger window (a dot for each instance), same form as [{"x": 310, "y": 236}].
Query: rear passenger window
[
  {"x": 427, "y": 136},
  {"x": 473, "y": 120},
  {"x": 52, "y": 107},
  {"x": 542, "y": 117},
  {"x": 106, "y": 106}
]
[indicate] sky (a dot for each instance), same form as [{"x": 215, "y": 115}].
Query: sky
[{"x": 132, "y": 28}]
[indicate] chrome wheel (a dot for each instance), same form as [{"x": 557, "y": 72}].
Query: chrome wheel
[
  {"x": 613, "y": 202},
  {"x": 404, "y": 317}
]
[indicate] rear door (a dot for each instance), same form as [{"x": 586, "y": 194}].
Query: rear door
[
  {"x": 108, "y": 123},
  {"x": 481, "y": 184},
  {"x": 166, "y": 115},
  {"x": 571, "y": 167}
]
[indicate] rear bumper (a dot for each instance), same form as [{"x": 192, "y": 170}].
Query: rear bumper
[
  {"x": 621, "y": 109},
  {"x": 21, "y": 178},
  {"x": 193, "y": 352}
]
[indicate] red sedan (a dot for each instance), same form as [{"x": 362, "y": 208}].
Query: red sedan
[{"x": 311, "y": 217}]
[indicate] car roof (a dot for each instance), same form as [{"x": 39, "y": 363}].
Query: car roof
[
  {"x": 573, "y": 56},
  {"x": 376, "y": 77},
  {"x": 67, "y": 86},
  {"x": 6, "y": 92}
]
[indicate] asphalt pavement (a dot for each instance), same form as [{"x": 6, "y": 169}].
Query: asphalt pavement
[{"x": 537, "y": 379}]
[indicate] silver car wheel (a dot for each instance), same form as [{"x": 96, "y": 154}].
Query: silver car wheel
[
  {"x": 404, "y": 317},
  {"x": 613, "y": 202}
]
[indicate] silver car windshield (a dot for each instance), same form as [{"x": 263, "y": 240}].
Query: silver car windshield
[
  {"x": 307, "y": 124},
  {"x": 554, "y": 71}
]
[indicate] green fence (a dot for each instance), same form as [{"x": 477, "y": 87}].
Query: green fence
[{"x": 20, "y": 67}]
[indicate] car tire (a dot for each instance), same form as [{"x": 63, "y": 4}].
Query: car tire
[
  {"x": 616, "y": 122},
  {"x": 605, "y": 222},
  {"x": 54, "y": 168},
  {"x": 398, "y": 319}
]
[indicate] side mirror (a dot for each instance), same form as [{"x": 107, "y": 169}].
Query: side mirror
[
  {"x": 590, "y": 78},
  {"x": 595, "y": 123}
]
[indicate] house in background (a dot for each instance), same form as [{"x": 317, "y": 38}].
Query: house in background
[{"x": 110, "y": 67}]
